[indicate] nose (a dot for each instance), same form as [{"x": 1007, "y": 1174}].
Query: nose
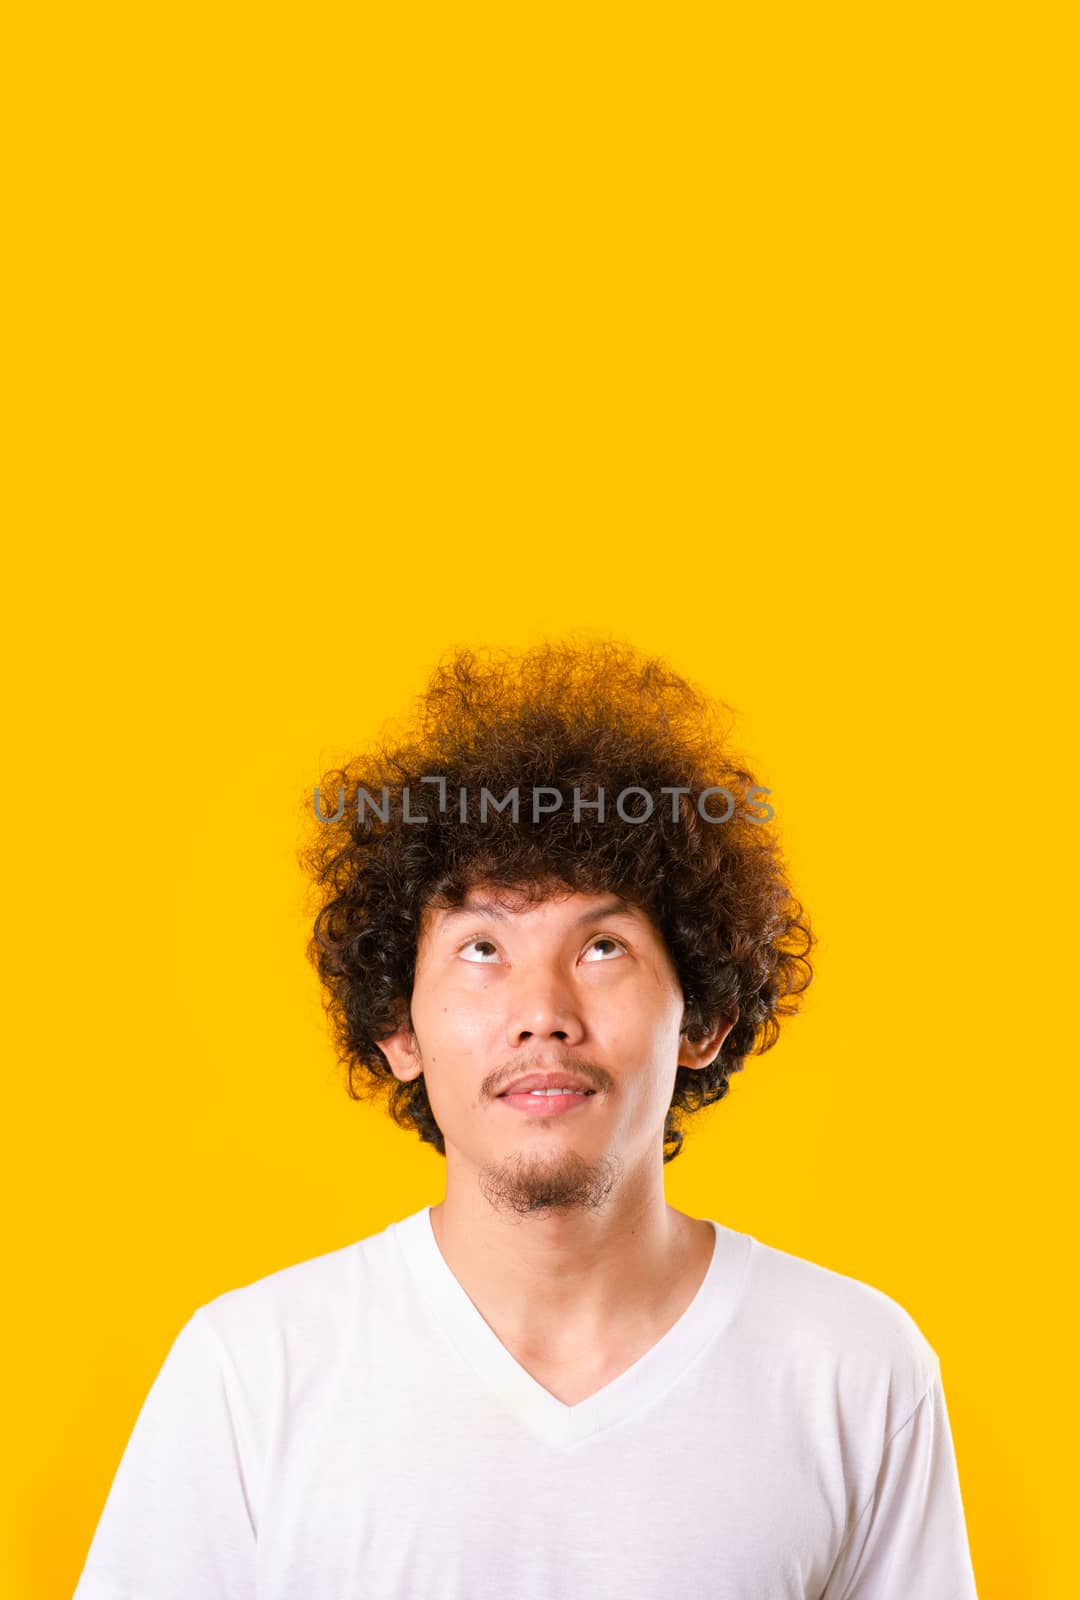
[{"x": 543, "y": 1006}]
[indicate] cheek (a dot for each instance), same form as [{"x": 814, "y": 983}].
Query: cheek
[
  {"x": 450, "y": 1025},
  {"x": 646, "y": 1023}
]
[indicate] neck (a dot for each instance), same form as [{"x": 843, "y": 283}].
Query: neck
[{"x": 562, "y": 1283}]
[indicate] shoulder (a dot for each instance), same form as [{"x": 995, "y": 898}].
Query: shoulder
[
  {"x": 839, "y": 1328},
  {"x": 298, "y": 1310}
]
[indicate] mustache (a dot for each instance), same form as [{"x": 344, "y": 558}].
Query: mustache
[{"x": 594, "y": 1075}]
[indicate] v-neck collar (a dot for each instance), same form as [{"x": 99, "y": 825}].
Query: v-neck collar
[{"x": 519, "y": 1392}]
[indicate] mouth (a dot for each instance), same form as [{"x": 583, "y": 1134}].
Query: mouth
[{"x": 546, "y": 1102}]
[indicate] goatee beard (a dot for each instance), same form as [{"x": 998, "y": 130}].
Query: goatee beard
[{"x": 525, "y": 1185}]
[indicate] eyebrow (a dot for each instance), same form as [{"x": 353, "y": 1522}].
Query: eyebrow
[{"x": 616, "y": 906}]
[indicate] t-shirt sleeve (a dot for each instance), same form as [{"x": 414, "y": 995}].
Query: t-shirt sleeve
[
  {"x": 910, "y": 1540},
  {"x": 179, "y": 1522}
]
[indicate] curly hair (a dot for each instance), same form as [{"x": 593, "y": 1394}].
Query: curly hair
[{"x": 565, "y": 716}]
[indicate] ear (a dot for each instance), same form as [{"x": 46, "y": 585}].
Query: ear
[
  {"x": 401, "y": 1051},
  {"x": 698, "y": 1053}
]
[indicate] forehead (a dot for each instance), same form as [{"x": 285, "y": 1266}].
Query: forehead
[{"x": 562, "y": 908}]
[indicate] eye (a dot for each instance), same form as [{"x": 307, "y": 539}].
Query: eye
[
  {"x": 604, "y": 939},
  {"x": 476, "y": 939}
]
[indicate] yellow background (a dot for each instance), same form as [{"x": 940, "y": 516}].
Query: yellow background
[{"x": 342, "y": 335}]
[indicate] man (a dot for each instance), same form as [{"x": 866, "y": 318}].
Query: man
[{"x": 551, "y": 1385}]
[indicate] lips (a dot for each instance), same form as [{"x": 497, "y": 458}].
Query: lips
[
  {"x": 546, "y": 1108},
  {"x": 548, "y": 1080}
]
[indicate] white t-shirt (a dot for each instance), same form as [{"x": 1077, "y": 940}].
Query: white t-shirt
[{"x": 350, "y": 1428}]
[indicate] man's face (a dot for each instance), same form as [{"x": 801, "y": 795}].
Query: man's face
[{"x": 581, "y": 983}]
